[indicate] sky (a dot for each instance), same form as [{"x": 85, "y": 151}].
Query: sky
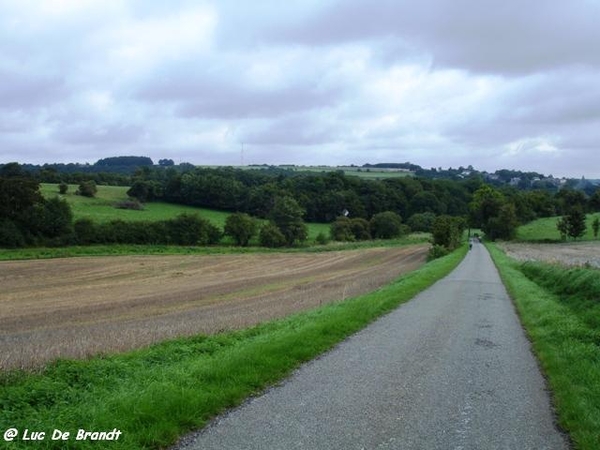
[{"x": 494, "y": 84}]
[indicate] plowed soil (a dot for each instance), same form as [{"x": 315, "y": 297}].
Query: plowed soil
[{"x": 77, "y": 307}]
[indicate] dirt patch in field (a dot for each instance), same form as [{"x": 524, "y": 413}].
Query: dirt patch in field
[
  {"x": 570, "y": 254},
  {"x": 78, "y": 307}
]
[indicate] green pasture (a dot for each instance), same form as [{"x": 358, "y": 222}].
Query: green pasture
[
  {"x": 545, "y": 230},
  {"x": 102, "y": 208}
]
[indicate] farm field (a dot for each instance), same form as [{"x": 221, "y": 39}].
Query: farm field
[
  {"x": 77, "y": 307},
  {"x": 570, "y": 254}
]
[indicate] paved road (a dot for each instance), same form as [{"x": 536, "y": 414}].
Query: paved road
[{"x": 452, "y": 369}]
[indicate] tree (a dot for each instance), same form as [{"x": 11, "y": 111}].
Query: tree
[
  {"x": 271, "y": 236},
  {"x": 595, "y": 227},
  {"x": 504, "y": 225},
  {"x": 386, "y": 225},
  {"x": 572, "y": 224},
  {"x": 360, "y": 229},
  {"x": 576, "y": 221},
  {"x": 63, "y": 188},
  {"x": 87, "y": 188},
  {"x": 166, "y": 162},
  {"x": 241, "y": 227},
  {"x": 447, "y": 231},
  {"x": 17, "y": 194},
  {"x": 486, "y": 204},
  {"x": 421, "y": 222},
  {"x": 287, "y": 216},
  {"x": 341, "y": 229},
  {"x": 595, "y": 200}
]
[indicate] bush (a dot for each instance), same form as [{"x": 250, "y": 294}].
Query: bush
[
  {"x": 360, "y": 229},
  {"x": 386, "y": 225},
  {"x": 63, "y": 188},
  {"x": 10, "y": 235},
  {"x": 447, "y": 231},
  {"x": 341, "y": 230},
  {"x": 190, "y": 229},
  {"x": 322, "y": 239},
  {"x": 437, "y": 251},
  {"x": 132, "y": 203},
  {"x": 421, "y": 222},
  {"x": 85, "y": 231},
  {"x": 87, "y": 188},
  {"x": 271, "y": 236},
  {"x": 241, "y": 227}
]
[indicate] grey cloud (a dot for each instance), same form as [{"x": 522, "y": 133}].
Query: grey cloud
[
  {"x": 508, "y": 37},
  {"x": 213, "y": 96},
  {"x": 26, "y": 90},
  {"x": 94, "y": 134},
  {"x": 294, "y": 130}
]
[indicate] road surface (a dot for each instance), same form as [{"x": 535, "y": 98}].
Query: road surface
[{"x": 452, "y": 369}]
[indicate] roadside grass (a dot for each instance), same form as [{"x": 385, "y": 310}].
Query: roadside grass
[
  {"x": 157, "y": 394},
  {"x": 560, "y": 309},
  {"x": 544, "y": 230}
]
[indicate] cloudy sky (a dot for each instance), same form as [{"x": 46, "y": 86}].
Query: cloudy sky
[{"x": 494, "y": 84}]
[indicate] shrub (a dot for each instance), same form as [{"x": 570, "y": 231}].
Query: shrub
[
  {"x": 437, "y": 251},
  {"x": 241, "y": 227},
  {"x": 322, "y": 239},
  {"x": 85, "y": 231},
  {"x": 271, "y": 236},
  {"x": 87, "y": 188},
  {"x": 132, "y": 203},
  {"x": 63, "y": 188},
  {"x": 10, "y": 234},
  {"x": 360, "y": 229},
  {"x": 190, "y": 229},
  {"x": 386, "y": 225},
  {"x": 421, "y": 222},
  {"x": 341, "y": 230}
]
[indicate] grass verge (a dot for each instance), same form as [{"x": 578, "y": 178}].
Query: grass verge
[
  {"x": 123, "y": 249},
  {"x": 562, "y": 323},
  {"x": 157, "y": 394}
]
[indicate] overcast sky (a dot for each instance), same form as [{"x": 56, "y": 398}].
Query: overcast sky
[{"x": 494, "y": 84}]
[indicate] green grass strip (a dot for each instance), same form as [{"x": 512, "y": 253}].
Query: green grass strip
[
  {"x": 124, "y": 249},
  {"x": 156, "y": 395},
  {"x": 566, "y": 342}
]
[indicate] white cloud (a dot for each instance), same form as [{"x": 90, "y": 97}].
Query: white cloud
[{"x": 313, "y": 81}]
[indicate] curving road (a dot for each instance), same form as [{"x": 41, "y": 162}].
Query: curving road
[{"x": 452, "y": 369}]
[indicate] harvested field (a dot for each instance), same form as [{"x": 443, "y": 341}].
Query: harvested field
[
  {"x": 570, "y": 254},
  {"x": 77, "y": 307}
]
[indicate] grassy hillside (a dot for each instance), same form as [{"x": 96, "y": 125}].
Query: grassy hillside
[
  {"x": 102, "y": 208},
  {"x": 545, "y": 229}
]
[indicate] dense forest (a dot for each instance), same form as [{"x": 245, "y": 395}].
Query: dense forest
[{"x": 28, "y": 219}]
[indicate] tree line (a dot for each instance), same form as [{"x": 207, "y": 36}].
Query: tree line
[{"x": 356, "y": 208}]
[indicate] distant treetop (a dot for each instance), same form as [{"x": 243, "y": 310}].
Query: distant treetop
[{"x": 135, "y": 161}]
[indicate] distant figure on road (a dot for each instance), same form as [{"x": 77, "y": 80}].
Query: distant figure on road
[{"x": 470, "y": 244}]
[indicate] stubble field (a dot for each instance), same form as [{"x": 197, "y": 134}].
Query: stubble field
[
  {"x": 569, "y": 254},
  {"x": 77, "y": 307}
]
